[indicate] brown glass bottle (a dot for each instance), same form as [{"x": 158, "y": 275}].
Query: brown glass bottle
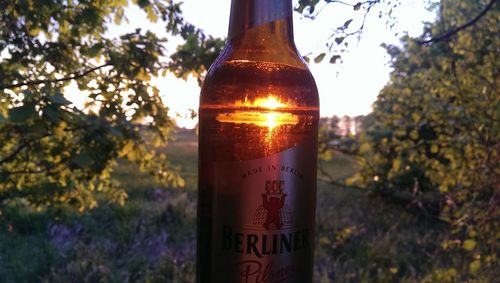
[{"x": 259, "y": 113}]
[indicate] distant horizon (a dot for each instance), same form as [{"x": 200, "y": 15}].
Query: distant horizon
[{"x": 320, "y": 118}]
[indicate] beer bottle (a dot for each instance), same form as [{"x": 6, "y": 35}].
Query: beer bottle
[{"x": 258, "y": 130}]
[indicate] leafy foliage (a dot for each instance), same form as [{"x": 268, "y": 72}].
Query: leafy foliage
[
  {"x": 53, "y": 154},
  {"x": 433, "y": 140}
]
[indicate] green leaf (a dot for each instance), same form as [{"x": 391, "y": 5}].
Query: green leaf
[
  {"x": 157, "y": 141},
  {"x": 151, "y": 14},
  {"x": 365, "y": 147},
  {"x": 339, "y": 40},
  {"x": 434, "y": 148},
  {"x": 129, "y": 145},
  {"x": 83, "y": 160},
  {"x": 347, "y": 23},
  {"x": 474, "y": 266},
  {"x": 319, "y": 58},
  {"x": 133, "y": 155},
  {"x": 94, "y": 51},
  {"x": 357, "y": 6},
  {"x": 118, "y": 16},
  {"x": 307, "y": 59},
  {"x": 180, "y": 182},
  {"x": 52, "y": 112},
  {"x": 311, "y": 9},
  {"x": 334, "y": 59},
  {"x": 59, "y": 130},
  {"x": 142, "y": 75},
  {"x": 22, "y": 113},
  {"x": 59, "y": 99},
  {"x": 396, "y": 164},
  {"x": 416, "y": 117},
  {"x": 414, "y": 134},
  {"x": 300, "y": 8},
  {"x": 324, "y": 241},
  {"x": 143, "y": 3},
  {"x": 469, "y": 245}
]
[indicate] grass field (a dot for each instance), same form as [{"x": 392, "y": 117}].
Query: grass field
[{"x": 152, "y": 237}]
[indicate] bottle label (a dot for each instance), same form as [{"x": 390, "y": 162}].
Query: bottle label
[{"x": 264, "y": 217}]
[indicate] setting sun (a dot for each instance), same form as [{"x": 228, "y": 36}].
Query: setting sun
[
  {"x": 270, "y": 102},
  {"x": 261, "y": 113}
]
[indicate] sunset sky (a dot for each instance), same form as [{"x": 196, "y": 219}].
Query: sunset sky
[{"x": 348, "y": 88}]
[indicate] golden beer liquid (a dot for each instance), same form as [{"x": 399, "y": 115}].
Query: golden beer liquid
[{"x": 258, "y": 100}]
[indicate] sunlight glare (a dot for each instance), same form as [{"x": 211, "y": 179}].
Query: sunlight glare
[
  {"x": 263, "y": 113},
  {"x": 262, "y": 119},
  {"x": 271, "y": 102}
]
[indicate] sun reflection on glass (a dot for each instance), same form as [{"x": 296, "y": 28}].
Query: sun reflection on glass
[
  {"x": 264, "y": 112},
  {"x": 266, "y": 119},
  {"x": 271, "y": 102}
]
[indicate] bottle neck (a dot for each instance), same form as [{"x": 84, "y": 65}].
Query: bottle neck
[{"x": 265, "y": 21}]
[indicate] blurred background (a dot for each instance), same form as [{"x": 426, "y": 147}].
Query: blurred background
[{"x": 98, "y": 137}]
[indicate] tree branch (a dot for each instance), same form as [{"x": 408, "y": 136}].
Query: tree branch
[
  {"x": 462, "y": 27},
  {"x": 46, "y": 170},
  {"x": 71, "y": 77},
  {"x": 341, "y": 31},
  {"x": 13, "y": 154}
]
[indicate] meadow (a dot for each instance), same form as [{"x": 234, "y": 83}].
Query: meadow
[{"x": 359, "y": 238}]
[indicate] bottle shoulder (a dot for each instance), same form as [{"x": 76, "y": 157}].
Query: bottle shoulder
[
  {"x": 240, "y": 64},
  {"x": 282, "y": 54},
  {"x": 230, "y": 80}
]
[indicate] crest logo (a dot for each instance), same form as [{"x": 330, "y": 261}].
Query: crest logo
[{"x": 273, "y": 214}]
